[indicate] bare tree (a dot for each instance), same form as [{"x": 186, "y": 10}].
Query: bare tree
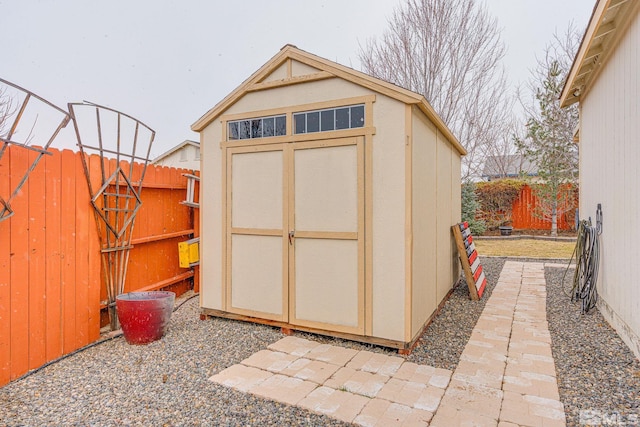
[
  {"x": 451, "y": 53},
  {"x": 7, "y": 109}
]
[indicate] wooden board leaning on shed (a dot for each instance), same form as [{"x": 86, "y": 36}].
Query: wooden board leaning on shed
[{"x": 474, "y": 275}]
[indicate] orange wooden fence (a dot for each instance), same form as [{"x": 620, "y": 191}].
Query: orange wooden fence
[
  {"x": 523, "y": 214},
  {"x": 51, "y": 291}
]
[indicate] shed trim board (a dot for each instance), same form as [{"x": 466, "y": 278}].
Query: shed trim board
[
  {"x": 408, "y": 221},
  {"x": 288, "y": 112},
  {"x": 311, "y": 236}
]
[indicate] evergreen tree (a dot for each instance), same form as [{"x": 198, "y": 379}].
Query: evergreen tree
[
  {"x": 548, "y": 139},
  {"x": 470, "y": 207}
]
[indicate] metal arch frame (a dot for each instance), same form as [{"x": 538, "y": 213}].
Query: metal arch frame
[
  {"x": 117, "y": 200},
  {"x": 5, "y": 205}
]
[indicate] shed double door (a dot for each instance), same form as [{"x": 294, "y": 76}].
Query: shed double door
[{"x": 295, "y": 233}]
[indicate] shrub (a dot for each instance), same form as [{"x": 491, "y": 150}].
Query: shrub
[{"x": 496, "y": 200}]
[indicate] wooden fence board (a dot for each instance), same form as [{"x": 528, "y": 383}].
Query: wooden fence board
[
  {"x": 83, "y": 214},
  {"x": 36, "y": 264},
  {"x": 94, "y": 257},
  {"x": 5, "y": 277},
  {"x": 53, "y": 172},
  {"x": 68, "y": 249},
  {"x": 19, "y": 266}
]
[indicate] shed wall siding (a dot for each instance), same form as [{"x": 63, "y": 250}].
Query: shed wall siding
[
  {"x": 609, "y": 157},
  {"x": 444, "y": 220},
  {"x": 300, "y": 69},
  {"x": 308, "y": 93},
  {"x": 279, "y": 73},
  {"x": 424, "y": 296},
  {"x": 456, "y": 212},
  {"x": 388, "y": 218},
  {"x": 211, "y": 224}
]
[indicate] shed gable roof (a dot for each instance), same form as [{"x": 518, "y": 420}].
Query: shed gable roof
[
  {"x": 261, "y": 80},
  {"x": 608, "y": 22}
]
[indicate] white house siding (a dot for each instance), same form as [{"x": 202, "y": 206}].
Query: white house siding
[
  {"x": 187, "y": 157},
  {"x": 610, "y": 175}
]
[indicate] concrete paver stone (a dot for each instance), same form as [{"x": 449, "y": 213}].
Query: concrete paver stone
[
  {"x": 268, "y": 360},
  {"x": 293, "y": 345},
  {"x": 356, "y": 381},
  {"x": 338, "y": 404},
  {"x": 310, "y": 370},
  {"x": 284, "y": 389},
  {"x": 375, "y": 363},
  {"x": 241, "y": 377},
  {"x": 332, "y": 354},
  {"x": 382, "y": 413},
  {"x": 424, "y": 374}
]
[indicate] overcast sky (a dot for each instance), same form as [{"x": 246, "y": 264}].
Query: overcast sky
[{"x": 167, "y": 62}]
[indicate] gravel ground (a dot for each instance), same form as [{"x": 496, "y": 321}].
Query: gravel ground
[
  {"x": 166, "y": 382},
  {"x": 597, "y": 373}
]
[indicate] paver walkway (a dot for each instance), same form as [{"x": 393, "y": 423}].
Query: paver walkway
[{"x": 505, "y": 377}]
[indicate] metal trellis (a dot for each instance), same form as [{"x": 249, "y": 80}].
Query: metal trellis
[
  {"x": 12, "y": 120},
  {"x": 116, "y": 199}
]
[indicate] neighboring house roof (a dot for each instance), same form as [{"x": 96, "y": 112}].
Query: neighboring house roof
[
  {"x": 176, "y": 148},
  {"x": 508, "y": 166},
  {"x": 327, "y": 70},
  {"x": 608, "y": 23}
]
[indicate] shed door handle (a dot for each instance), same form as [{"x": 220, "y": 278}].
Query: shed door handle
[{"x": 292, "y": 234}]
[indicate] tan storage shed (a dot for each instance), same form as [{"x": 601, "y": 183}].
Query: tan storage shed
[{"x": 327, "y": 201}]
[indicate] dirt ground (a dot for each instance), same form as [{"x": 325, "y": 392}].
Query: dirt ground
[{"x": 531, "y": 232}]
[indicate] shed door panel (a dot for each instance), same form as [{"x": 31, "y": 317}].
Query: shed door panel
[
  {"x": 326, "y": 282},
  {"x": 256, "y": 271},
  {"x": 326, "y": 218},
  {"x": 257, "y": 268}
]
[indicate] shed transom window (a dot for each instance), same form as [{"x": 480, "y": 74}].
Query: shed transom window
[
  {"x": 261, "y": 127},
  {"x": 330, "y": 119}
]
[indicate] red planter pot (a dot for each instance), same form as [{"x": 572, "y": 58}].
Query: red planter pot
[{"x": 144, "y": 316}]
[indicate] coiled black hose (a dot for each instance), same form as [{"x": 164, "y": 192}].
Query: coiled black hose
[{"x": 587, "y": 253}]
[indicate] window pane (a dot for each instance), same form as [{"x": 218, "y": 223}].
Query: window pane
[
  {"x": 233, "y": 130},
  {"x": 268, "y": 127},
  {"x": 313, "y": 122},
  {"x": 256, "y": 128},
  {"x": 281, "y": 125},
  {"x": 357, "y": 116},
  {"x": 245, "y": 129},
  {"x": 342, "y": 118},
  {"x": 299, "y": 120},
  {"x": 327, "y": 120}
]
